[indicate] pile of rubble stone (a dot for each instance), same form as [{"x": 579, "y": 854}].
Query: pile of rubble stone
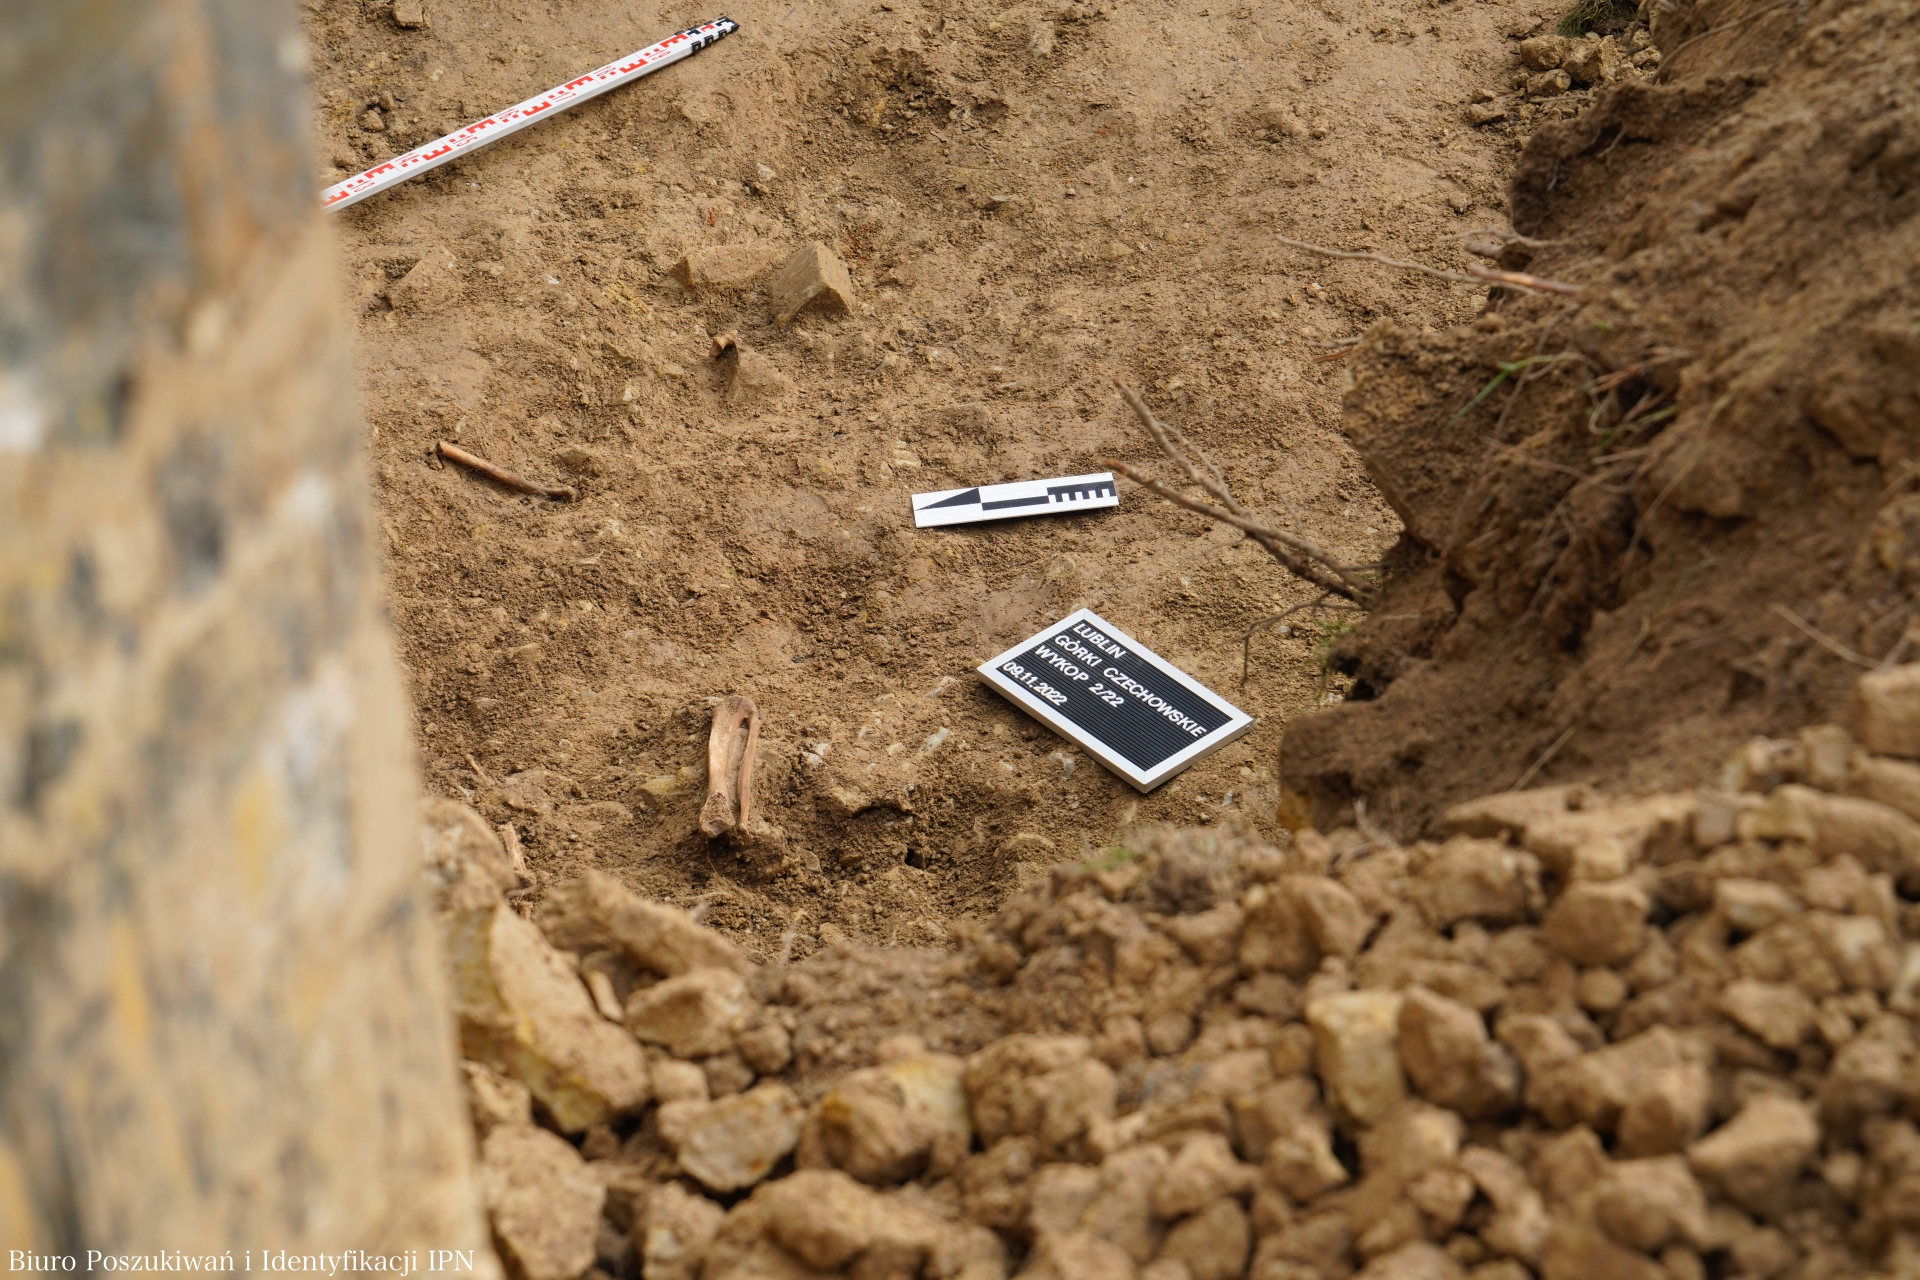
[{"x": 1659, "y": 1039}]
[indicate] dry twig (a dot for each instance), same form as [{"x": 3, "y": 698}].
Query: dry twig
[
  {"x": 1299, "y": 556},
  {"x": 1504, "y": 234},
  {"x": 511, "y": 479},
  {"x": 1275, "y": 619},
  {"x": 1824, "y": 640},
  {"x": 1474, "y": 274},
  {"x": 1521, "y": 280}
]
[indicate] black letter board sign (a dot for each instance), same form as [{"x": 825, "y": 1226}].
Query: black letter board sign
[{"x": 1131, "y": 710}]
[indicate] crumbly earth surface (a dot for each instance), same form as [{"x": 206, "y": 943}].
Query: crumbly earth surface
[
  {"x": 1686, "y": 514},
  {"x": 1033, "y": 201}
]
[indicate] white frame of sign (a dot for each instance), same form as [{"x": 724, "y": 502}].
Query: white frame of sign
[{"x": 1237, "y": 725}]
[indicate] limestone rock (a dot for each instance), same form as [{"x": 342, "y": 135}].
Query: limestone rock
[
  {"x": 597, "y": 911},
  {"x": 822, "y": 1217},
  {"x": 1775, "y": 1014},
  {"x": 880, "y": 1124},
  {"x": 1868, "y": 1078},
  {"x": 1413, "y": 1139},
  {"x": 1752, "y": 905},
  {"x": 1543, "y": 53},
  {"x": 1266, "y": 1113},
  {"x": 767, "y": 1047},
  {"x": 1894, "y": 783},
  {"x": 733, "y": 1143},
  {"x": 829, "y": 1223},
  {"x": 1541, "y": 1044},
  {"x": 814, "y": 276},
  {"x": 1754, "y": 1157},
  {"x": 1577, "y": 1251},
  {"x": 1273, "y": 937},
  {"x": 1213, "y": 1243},
  {"x": 466, "y": 865},
  {"x": 1882, "y": 839},
  {"x": 1886, "y": 711},
  {"x": 729, "y": 266},
  {"x": 1487, "y": 881},
  {"x": 1121, "y": 1211},
  {"x": 676, "y": 1081},
  {"x": 1077, "y": 1255},
  {"x": 1356, "y": 1044},
  {"x": 1442, "y": 1195},
  {"x": 1667, "y": 1112},
  {"x": 675, "y": 1233},
  {"x": 1211, "y": 936},
  {"x": 1647, "y": 1204},
  {"x": 493, "y": 1099},
  {"x": 1510, "y": 813},
  {"x": 1604, "y": 843},
  {"x": 1204, "y": 1171},
  {"x": 585, "y": 464},
  {"x": 543, "y": 1201},
  {"x": 1059, "y": 1196},
  {"x": 1333, "y": 917},
  {"x": 1450, "y": 1059},
  {"x": 1549, "y": 84},
  {"x": 1569, "y": 1164},
  {"x": 1519, "y": 1226},
  {"x": 692, "y": 1016},
  {"x": 1290, "y": 926},
  {"x": 1598, "y": 923},
  {"x": 1593, "y": 61},
  {"x": 523, "y": 1010},
  {"x": 1597, "y": 1087},
  {"x": 1415, "y": 1260},
  {"x": 1044, "y": 1086},
  {"x": 411, "y": 14},
  {"x": 1299, "y": 1158}
]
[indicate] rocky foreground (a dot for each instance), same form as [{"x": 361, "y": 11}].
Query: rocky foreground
[{"x": 1658, "y": 1039}]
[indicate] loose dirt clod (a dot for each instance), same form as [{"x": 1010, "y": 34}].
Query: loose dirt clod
[{"x": 813, "y": 277}]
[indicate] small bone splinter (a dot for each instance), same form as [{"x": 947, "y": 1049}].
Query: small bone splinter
[{"x": 730, "y": 750}]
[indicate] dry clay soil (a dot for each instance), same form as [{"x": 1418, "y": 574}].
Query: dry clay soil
[{"x": 1034, "y": 201}]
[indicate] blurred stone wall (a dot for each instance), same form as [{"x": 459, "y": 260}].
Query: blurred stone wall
[{"x": 222, "y": 1011}]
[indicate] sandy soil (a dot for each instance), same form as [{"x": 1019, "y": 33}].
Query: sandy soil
[{"x": 1034, "y": 201}]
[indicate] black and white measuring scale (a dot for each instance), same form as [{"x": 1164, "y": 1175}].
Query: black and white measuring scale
[
  {"x": 1122, "y": 703},
  {"x": 1020, "y": 498}
]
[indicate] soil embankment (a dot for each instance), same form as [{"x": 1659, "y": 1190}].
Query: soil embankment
[{"x": 1686, "y": 514}]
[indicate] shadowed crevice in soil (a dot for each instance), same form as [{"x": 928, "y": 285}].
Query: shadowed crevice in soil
[{"x": 1601, "y": 556}]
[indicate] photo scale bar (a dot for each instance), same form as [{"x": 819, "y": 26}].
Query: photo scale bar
[{"x": 1021, "y": 498}]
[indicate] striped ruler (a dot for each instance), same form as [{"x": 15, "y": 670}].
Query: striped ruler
[
  {"x": 1020, "y": 498},
  {"x": 681, "y": 44}
]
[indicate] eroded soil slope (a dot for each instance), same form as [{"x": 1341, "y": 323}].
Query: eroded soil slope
[{"x": 1687, "y": 513}]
